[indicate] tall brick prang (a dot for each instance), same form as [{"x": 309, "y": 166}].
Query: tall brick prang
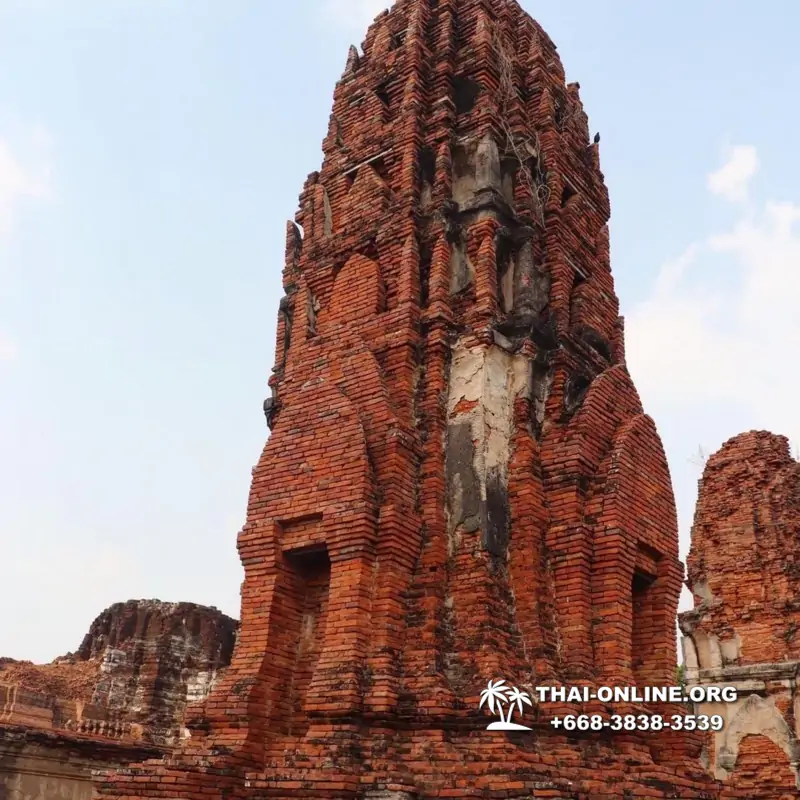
[
  {"x": 460, "y": 483},
  {"x": 744, "y": 573}
]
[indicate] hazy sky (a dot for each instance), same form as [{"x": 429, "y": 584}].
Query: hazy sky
[{"x": 150, "y": 153}]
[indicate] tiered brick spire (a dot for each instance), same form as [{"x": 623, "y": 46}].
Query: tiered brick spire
[{"x": 460, "y": 482}]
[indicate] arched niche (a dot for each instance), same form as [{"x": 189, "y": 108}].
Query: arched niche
[{"x": 757, "y": 716}]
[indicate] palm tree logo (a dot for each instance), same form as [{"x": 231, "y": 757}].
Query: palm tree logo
[{"x": 495, "y": 695}]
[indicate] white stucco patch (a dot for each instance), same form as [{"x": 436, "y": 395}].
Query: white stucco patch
[{"x": 490, "y": 380}]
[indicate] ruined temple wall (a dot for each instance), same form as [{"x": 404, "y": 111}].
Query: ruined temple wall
[
  {"x": 742, "y": 630},
  {"x": 35, "y": 765},
  {"x": 120, "y": 698},
  {"x": 139, "y": 666},
  {"x": 744, "y": 566}
]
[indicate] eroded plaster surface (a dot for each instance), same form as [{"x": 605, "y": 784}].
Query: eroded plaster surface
[{"x": 483, "y": 387}]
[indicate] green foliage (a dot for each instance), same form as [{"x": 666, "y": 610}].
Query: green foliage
[{"x": 680, "y": 675}]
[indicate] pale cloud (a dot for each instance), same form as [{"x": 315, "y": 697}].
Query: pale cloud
[
  {"x": 8, "y": 348},
  {"x": 354, "y": 14},
  {"x": 712, "y": 349},
  {"x": 722, "y": 325},
  {"x": 25, "y": 175},
  {"x": 732, "y": 179},
  {"x": 23, "y": 178}
]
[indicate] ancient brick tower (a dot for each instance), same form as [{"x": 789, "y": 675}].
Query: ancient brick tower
[
  {"x": 460, "y": 483},
  {"x": 744, "y": 572}
]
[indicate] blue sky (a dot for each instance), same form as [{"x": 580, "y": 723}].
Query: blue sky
[{"x": 150, "y": 153}]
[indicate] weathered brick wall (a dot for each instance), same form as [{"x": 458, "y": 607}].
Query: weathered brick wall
[
  {"x": 460, "y": 483},
  {"x": 120, "y": 698},
  {"x": 744, "y": 573},
  {"x": 131, "y": 679},
  {"x": 50, "y": 765},
  {"x": 762, "y": 771}
]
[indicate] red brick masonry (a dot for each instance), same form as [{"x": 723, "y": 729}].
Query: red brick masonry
[
  {"x": 461, "y": 483},
  {"x": 744, "y": 572},
  {"x": 138, "y": 666}
]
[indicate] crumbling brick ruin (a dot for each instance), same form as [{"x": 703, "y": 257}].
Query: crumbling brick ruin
[
  {"x": 119, "y": 698},
  {"x": 460, "y": 483},
  {"x": 744, "y": 573}
]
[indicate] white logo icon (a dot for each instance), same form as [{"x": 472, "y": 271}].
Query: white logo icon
[{"x": 496, "y": 694}]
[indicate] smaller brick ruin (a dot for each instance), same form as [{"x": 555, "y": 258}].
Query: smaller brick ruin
[
  {"x": 119, "y": 698},
  {"x": 744, "y": 573}
]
